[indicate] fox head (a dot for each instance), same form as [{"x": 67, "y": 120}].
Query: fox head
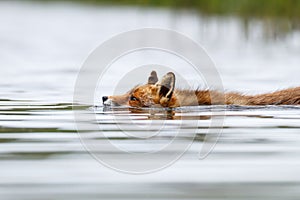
[{"x": 153, "y": 94}]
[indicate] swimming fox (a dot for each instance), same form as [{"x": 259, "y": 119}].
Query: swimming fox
[{"x": 163, "y": 94}]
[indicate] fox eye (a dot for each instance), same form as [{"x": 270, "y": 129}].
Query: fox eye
[{"x": 133, "y": 98}]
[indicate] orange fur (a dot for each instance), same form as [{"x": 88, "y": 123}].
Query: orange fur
[{"x": 163, "y": 93}]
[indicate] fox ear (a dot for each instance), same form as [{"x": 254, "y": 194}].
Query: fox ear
[
  {"x": 167, "y": 85},
  {"x": 152, "y": 78}
]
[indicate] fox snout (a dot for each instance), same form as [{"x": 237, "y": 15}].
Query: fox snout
[
  {"x": 119, "y": 100},
  {"x": 106, "y": 100}
]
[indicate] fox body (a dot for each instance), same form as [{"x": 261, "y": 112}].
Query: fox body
[{"x": 163, "y": 94}]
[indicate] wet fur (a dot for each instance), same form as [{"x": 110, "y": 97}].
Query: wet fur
[
  {"x": 289, "y": 96},
  {"x": 163, "y": 93}
]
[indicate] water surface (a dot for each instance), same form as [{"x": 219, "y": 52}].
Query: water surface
[{"x": 41, "y": 154}]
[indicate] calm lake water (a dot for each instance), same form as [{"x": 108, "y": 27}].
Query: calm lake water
[{"x": 43, "y": 46}]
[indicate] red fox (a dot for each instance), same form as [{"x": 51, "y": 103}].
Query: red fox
[{"x": 163, "y": 94}]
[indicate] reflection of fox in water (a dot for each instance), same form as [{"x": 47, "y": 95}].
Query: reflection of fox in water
[{"x": 163, "y": 93}]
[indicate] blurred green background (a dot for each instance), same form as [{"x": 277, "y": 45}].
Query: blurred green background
[
  {"x": 245, "y": 8},
  {"x": 279, "y": 17}
]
